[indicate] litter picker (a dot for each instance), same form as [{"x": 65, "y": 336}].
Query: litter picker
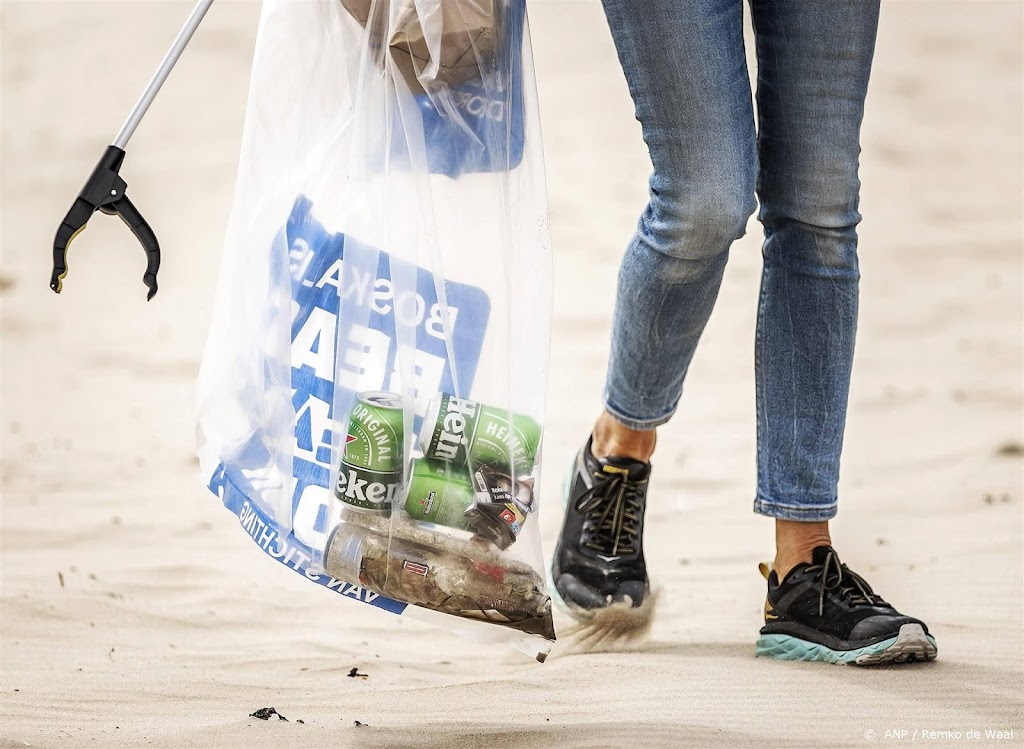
[{"x": 106, "y": 191}]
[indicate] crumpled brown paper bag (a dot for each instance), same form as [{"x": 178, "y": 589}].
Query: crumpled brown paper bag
[{"x": 453, "y": 41}]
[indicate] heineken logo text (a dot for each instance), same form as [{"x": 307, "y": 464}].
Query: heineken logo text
[
  {"x": 352, "y": 487},
  {"x": 502, "y": 433},
  {"x": 428, "y": 503},
  {"x": 453, "y": 433}
]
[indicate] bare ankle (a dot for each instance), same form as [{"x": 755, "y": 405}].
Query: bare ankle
[
  {"x": 795, "y": 543},
  {"x": 613, "y": 439}
]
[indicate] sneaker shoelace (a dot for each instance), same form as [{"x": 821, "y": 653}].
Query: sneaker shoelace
[
  {"x": 844, "y": 583},
  {"x": 612, "y": 505}
]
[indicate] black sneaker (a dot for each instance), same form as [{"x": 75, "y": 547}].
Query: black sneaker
[
  {"x": 599, "y": 559},
  {"x": 824, "y": 611}
]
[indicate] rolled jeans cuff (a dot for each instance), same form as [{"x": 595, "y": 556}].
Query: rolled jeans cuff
[
  {"x": 809, "y": 513},
  {"x": 640, "y": 425}
]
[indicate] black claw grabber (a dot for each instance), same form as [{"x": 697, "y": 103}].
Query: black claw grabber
[{"x": 105, "y": 190}]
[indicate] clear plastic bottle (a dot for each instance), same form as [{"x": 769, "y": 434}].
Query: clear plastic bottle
[{"x": 444, "y": 574}]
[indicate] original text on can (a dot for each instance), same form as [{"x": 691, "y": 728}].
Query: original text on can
[{"x": 370, "y": 473}]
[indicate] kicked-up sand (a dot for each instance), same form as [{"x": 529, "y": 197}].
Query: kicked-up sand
[{"x": 136, "y": 613}]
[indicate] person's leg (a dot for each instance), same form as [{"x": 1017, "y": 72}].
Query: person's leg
[
  {"x": 686, "y": 70},
  {"x": 687, "y": 74},
  {"x": 814, "y": 58}
]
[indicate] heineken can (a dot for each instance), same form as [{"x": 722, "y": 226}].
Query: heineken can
[
  {"x": 439, "y": 492},
  {"x": 488, "y": 503},
  {"x": 465, "y": 432},
  {"x": 370, "y": 473}
]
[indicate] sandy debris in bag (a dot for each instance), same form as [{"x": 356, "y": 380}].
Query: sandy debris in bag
[
  {"x": 480, "y": 550},
  {"x": 515, "y": 590},
  {"x": 483, "y": 582},
  {"x": 611, "y": 628}
]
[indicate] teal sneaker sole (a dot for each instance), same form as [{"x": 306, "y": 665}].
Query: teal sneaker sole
[{"x": 910, "y": 645}]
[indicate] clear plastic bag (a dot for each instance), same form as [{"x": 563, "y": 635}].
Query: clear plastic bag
[{"x": 372, "y": 393}]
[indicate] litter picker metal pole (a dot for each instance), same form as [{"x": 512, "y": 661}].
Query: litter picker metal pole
[{"x": 184, "y": 36}]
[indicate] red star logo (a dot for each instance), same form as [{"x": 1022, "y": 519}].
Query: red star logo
[{"x": 349, "y": 438}]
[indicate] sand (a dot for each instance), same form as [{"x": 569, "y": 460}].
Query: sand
[{"x": 136, "y": 613}]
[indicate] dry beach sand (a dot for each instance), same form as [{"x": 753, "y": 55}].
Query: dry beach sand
[{"x": 136, "y": 613}]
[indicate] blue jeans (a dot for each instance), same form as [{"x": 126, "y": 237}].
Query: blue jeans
[{"x": 685, "y": 65}]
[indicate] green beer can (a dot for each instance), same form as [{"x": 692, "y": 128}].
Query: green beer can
[
  {"x": 465, "y": 432},
  {"x": 487, "y": 503},
  {"x": 370, "y": 474},
  {"x": 439, "y": 492}
]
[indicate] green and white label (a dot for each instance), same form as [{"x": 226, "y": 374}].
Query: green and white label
[
  {"x": 367, "y": 490},
  {"x": 374, "y": 438}
]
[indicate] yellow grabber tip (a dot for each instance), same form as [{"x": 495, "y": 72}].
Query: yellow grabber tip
[{"x": 60, "y": 278}]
